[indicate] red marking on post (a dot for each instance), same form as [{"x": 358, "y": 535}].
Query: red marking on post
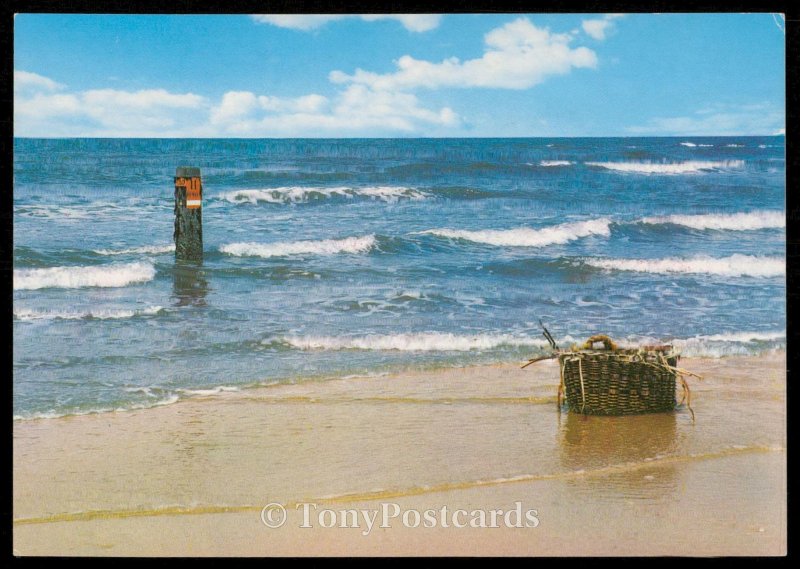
[{"x": 193, "y": 188}]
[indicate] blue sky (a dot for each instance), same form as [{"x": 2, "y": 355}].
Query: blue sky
[{"x": 491, "y": 75}]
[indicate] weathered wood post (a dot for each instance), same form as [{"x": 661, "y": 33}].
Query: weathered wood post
[{"x": 188, "y": 215}]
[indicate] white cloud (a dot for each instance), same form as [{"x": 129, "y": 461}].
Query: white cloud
[
  {"x": 518, "y": 55},
  {"x": 355, "y": 109},
  {"x": 305, "y": 104},
  {"x": 100, "y": 112},
  {"x": 757, "y": 119},
  {"x": 303, "y": 22},
  {"x": 597, "y": 29},
  {"x": 238, "y": 107},
  {"x": 146, "y": 99},
  {"x": 235, "y": 105},
  {"x": 412, "y": 22},
  {"x": 24, "y": 80},
  {"x": 43, "y": 106},
  {"x": 306, "y": 22}
]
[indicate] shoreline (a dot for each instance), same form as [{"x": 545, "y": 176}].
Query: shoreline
[
  {"x": 192, "y": 478},
  {"x": 224, "y": 391}
]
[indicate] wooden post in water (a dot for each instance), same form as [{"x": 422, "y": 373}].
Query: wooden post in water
[{"x": 188, "y": 215}]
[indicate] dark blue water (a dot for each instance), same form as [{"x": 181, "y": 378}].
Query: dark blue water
[{"x": 336, "y": 257}]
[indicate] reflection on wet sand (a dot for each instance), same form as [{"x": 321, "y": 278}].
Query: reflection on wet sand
[{"x": 590, "y": 442}]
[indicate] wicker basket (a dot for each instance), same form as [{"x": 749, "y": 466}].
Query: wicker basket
[{"x": 613, "y": 381}]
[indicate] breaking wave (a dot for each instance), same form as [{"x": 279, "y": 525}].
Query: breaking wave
[
  {"x": 304, "y": 194},
  {"x": 733, "y": 266},
  {"x": 422, "y": 342},
  {"x": 718, "y": 345},
  {"x": 285, "y": 248},
  {"x": 731, "y": 221},
  {"x": 78, "y": 277},
  {"x": 526, "y": 237},
  {"x": 147, "y": 249},
  {"x": 689, "y": 167}
]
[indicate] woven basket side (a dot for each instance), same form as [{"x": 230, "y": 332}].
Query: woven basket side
[{"x": 608, "y": 384}]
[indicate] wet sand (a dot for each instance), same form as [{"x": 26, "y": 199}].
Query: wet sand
[{"x": 192, "y": 478}]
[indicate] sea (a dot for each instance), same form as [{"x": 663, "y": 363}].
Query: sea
[{"x": 331, "y": 258}]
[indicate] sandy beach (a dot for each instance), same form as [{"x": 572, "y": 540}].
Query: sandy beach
[{"x": 192, "y": 478}]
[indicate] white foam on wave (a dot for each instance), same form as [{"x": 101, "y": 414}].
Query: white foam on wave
[
  {"x": 94, "y": 211},
  {"x": 28, "y": 314},
  {"x": 733, "y": 266},
  {"x": 526, "y": 237},
  {"x": 158, "y": 397},
  {"x": 694, "y": 145},
  {"x": 54, "y": 212},
  {"x": 169, "y": 400},
  {"x": 688, "y": 167},
  {"x": 156, "y": 391},
  {"x": 208, "y": 392},
  {"x": 84, "y": 276},
  {"x": 285, "y": 248},
  {"x": 714, "y": 345},
  {"x": 554, "y": 163},
  {"x": 421, "y": 342},
  {"x": 730, "y": 344},
  {"x": 742, "y": 337},
  {"x": 725, "y": 221},
  {"x": 146, "y": 249},
  {"x": 302, "y": 194}
]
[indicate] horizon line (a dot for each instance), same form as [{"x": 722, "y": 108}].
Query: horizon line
[{"x": 388, "y": 137}]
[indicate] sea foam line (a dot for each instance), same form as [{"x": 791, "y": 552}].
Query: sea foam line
[
  {"x": 209, "y": 392},
  {"x": 730, "y": 338},
  {"x": 84, "y": 276},
  {"x": 733, "y": 266},
  {"x": 146, "y": 249},
  {"x": 303, "y": 194},
  {"x": 526, "y": 237},
  {"x": 284, "y": 248},
  {"x": 160, "y": 397},
  {"x": 422, "y": 342},
  {"x": 26, "y": 314},
  {"x": 728, "y": 344},
  {"x": 732, "y": 221},
  {"x": 688, "y": 167},
  {"x": 715, "y": 345},
  {"x": 741, "y": 337}
]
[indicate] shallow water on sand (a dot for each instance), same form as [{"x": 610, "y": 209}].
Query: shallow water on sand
[{"x": 369, "y": 438}]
